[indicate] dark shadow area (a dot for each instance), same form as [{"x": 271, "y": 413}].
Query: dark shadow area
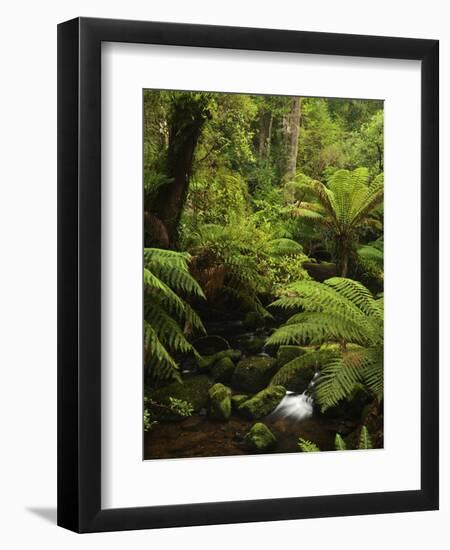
[{"x": 48, "y": 514}]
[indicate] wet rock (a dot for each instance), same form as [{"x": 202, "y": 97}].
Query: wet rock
[
  {"x": 208, "y": 345},
  {"x": 253, "y": 320},
  {"x": 295, "y": 379},
  {"x": 237, "y": 400},
  {"x": 252, "y": 345},
  {"x": 207, "y": 362},
  {"x": 260, "y": 438},
  {"x": 222, "y": 370},
  {"x": 288, "y": 353},
  {"x": 253, "y": 373},
  {"x": 220, "y": 402},
  {"x": 263, "y": 403}
]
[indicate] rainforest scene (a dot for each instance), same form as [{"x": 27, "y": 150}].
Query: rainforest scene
[{"x": 263, "y": 274}]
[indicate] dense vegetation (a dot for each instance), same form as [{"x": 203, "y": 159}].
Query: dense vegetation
[{"x": 263, "y": 272}]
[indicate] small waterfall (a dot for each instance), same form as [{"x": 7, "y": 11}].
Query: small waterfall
[
  {"x": 297, "y": 406},
  {"x": 294, "y": 405}
]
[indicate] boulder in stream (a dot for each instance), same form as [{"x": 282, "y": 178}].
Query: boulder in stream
[
  {"x": 220, "y": 402},
  {"x": 208, "y": 345},
  {"x": 260, "y": 438},
  {"x": 237, "y": 400},
  {"x": 222, "y": 370},
  {"x": 288, "y": 353},
  {"x": 253, "y": 373},
  {"x": 263, "y": 403},
  {"x": 254, "y": 319},
  {"x": 208, "y": 361}
]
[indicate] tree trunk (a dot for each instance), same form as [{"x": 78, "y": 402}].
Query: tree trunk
[
  {"x": 265, "y": 135},
  {"x": 292, "y": 131},
  {"x": 185, "y": 125}
]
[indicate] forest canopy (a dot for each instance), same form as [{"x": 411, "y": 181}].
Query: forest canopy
[{"x": 267, "y": 211}]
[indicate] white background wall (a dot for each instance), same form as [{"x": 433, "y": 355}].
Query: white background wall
[{"x": 28, "y": 269}]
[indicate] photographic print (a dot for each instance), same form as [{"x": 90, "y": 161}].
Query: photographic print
[{"x": 263, "y": 274}]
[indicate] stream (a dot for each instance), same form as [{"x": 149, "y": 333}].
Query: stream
[{"x": 200, "y": 436}]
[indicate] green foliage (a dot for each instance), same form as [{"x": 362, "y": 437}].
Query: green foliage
[
  {"x": 167, "y": 316},
  {"x": 341, "y": 312},
  {"x": 307, "y": 446},
  {"x": 373, "y": 253},
  {"x": 339, "y": 443},
  {"x": 175, "y": 406},
  {"x": 364, "y": 439},
  {"x": 344, "y": 207},
  {"x": 367, "y": 146}
]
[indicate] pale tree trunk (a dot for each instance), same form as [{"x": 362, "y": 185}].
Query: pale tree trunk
[
  {"x": 265, "y": 135},
  {"x": 292, "y": 131}
]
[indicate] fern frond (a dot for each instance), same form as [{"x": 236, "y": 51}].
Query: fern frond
[
  {"x": 157, "y": 358},
  {"x": 315, "y": 359},
  {"x": 281, "y": 247},
  {"x": 307, "y": 446},
  {"x": 339, "y": 443},
  {"x": 364, "y": 439}
]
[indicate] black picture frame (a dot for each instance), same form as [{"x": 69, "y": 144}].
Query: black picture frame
[{"x": 79, "y": 274}]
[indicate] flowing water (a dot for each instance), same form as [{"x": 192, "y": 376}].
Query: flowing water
[{"x": 295, "y": 416}]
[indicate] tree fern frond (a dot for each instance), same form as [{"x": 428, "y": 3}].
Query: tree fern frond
[
  {"x": 280, "y": 247},
  {"x": 339, "y": 443},
  {"x": 307, "y": 446},
  {"x": 157, "y": 358},
  {"x": 315, "y": 359},
  {"x": 364, "y": 439}
]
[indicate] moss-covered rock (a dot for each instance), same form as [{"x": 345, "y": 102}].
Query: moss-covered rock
[
  {"x": 263, "y": 403},
  {"x": 219, "y": 402},
  {"x": 209, "y": 345},
  {"x": 237, "y": 400},
  {"x": 288, "y": 353},
  {"x": 193, "y": 390},
  {"x": 294, "y": 378},
  {"x": 260, "y": 438},
  {"x": 253, "y": 373},
  {"x": 222, "y": 371},
  {"x": 253, "y": 320},
  {"x": 254, "y": 344},
  {"x": 205, "y": 363}
]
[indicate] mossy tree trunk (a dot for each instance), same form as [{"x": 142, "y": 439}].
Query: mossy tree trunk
[{"x": 187, "y": 117}]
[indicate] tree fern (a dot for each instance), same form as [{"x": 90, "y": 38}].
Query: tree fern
[
  {"x": 347, "y": 204},
  {"x": 167, "y": 315},
  {"x": 341, "y": 312}
]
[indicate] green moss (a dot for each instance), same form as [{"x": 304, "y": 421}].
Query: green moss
[
  {"x": 208, "y": 361},
  {"x": 253, "y": 374},
  {"x": 288, "y": 353},
  {"x": 220, "y": 402},
  {"x": 263, "y": 403},
  {"x": 222, "y": 371},
  {"x": 237, "y": 400},
  {"x": 193, "y": 389},
  {"x": 252, "y": 345},
  {"x": 253, "y": 320},
  {"x": 260, "y": 438}
]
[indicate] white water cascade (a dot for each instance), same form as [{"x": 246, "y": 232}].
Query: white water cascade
[{"x": 297, "y": 406}]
